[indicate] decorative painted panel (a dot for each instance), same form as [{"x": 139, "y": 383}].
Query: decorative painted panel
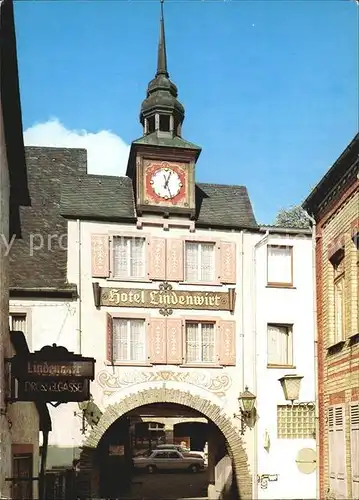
[
  {"x": 100, "y": 256},
  {"x": 227, "y": 343},
  {"x": 227, "y": 262},
  {"x": 109, "y": 338},
  {"x": 175, "y": 261},
  {"x": 157, "y": 341},
  {"x": 174, "y": 341},
  {"x": 157, "y": 258}
]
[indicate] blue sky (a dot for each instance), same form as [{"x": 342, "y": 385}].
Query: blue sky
[{"x": 270, "y": 87}]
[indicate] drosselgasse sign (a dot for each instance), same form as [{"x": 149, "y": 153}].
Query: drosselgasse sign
[{"x": 52, "y": 374}]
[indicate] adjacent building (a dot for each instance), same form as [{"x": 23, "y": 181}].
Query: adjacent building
[
  {"x": 334, "y": 204},
  {"x": 184, "y": 301},
  {"x": 20, "y": 423}
]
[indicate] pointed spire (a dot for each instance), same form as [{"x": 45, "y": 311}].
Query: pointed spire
[{"x": 162, "y": 56}]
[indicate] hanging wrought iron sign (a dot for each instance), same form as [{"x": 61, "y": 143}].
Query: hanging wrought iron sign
[{"x": 52, "y": 374}]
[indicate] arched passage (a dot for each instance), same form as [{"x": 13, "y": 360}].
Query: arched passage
[{"x": 163, "y": 395}]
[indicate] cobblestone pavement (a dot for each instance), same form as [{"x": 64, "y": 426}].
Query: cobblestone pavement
[{"x": 169, "y": 486}]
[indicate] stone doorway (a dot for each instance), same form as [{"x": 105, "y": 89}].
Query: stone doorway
[{"x": 159, "y": 401}]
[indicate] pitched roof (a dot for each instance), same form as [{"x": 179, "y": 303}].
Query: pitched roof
[
  {"x": 39, "y": 259},
  {"x": 100, "y": 197},
  {"x": 60, "y": 188},
  {"x": 342, "y": 173}
]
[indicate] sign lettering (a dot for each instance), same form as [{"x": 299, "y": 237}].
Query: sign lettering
[
  {"x": 174, "y": 299},
  {"x": 53, "y": 390},
  {"x": 59, "y": 369}
]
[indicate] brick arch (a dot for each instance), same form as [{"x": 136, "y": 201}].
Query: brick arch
[{"x": 210, "y": 410}]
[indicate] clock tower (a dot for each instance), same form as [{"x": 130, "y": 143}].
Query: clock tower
[{"x": 161, "y": 163}]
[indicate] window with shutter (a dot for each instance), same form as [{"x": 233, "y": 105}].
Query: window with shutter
[
  {"x": 200, "y": 342},
  {"x": 354, "y": 448},
  {"x": 337, "y": 452},
  {"x": 128, "y": 258},
  {"x": 279, "y": 265},
  {"x": 200, "y": 262},
  {"x": 332, "y": 458},
  {"x": 128, "y": 340},
  {"x": 279, "y": 345}
]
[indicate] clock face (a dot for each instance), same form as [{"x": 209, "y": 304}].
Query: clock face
[{"x": 166, "y": 183}]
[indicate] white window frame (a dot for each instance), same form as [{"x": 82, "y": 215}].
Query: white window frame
[
  {"x": 128, "y": 358},
  {"x": 277, "y": 283},
  {"x": 199, "y": 245},
  {"x": 128, "y": 276},
  {"x": 199, "y": 325},
  {"x": 290, "y": 330}
]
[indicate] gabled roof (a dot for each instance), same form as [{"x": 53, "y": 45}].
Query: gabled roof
[{"x": 60, "y": 188}]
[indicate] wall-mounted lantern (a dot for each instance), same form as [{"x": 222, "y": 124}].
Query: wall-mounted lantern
[
  {"x": 246, "y": 402},
  {"x": 291, "y": 386}
]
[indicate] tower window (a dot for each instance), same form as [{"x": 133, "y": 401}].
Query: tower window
[
  {"x": 164, "y": 123},
  {"x": 151, "y": 124}
]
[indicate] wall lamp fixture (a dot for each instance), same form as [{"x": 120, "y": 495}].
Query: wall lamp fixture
[{"x": 246, "y": 402}]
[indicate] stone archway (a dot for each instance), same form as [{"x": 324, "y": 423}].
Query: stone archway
[{"x": 204, "y": 406}]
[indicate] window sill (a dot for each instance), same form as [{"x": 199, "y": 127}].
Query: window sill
[
  {"x": 281, "y": 367},
  {"x": 354, "y": 338},
  {"x": 128, "y": 363},
  {"x": 200, "y": 365},
  {"x": 130, "y": 280},
  {"x": 281, "y": 285},
  {"x": 201, "y": 283},
  {"x": 336, "y": 347}
]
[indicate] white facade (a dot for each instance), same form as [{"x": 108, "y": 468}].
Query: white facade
[
  {"x": 81, "y": 327},
  {"x": 278, "y": 457}
]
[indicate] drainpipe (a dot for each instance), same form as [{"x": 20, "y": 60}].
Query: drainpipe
[
  {"x": 255, "y": 354},
  {"x": 79, "y": 326},
  {"x": 242, "y": 310},
  {"x": 316, "y": 381}
]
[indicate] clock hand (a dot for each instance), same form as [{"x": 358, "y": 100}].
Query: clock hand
[{"x": 167, "y": 180}]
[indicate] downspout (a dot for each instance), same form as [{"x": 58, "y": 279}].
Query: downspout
[
  {"x": 79, "y": 325},
  {"x": 316, "y": 380},
  {"x": 255, "y": 355},
  {"x": 242, "y": 311}
]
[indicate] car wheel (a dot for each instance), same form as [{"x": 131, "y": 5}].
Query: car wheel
[
  {"x": 151, "y": 469},
  {"x": 194, "y": 468}
]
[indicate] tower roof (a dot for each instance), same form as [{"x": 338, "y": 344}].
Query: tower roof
[{"x": 162, "y": 93}]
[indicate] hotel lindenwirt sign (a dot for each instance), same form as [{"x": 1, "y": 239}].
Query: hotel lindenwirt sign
[
  {"x": 165, "y": 298},
  {"x": 52, "y": 374}
]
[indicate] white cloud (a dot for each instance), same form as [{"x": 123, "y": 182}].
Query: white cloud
[{"x": 107, "y": 153}]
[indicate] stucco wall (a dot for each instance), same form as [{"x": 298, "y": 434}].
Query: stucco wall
[
  {"x": 51, "y": 322},
  {"x": 256, "y": 305},
  {"x": 284, "y": 306}
]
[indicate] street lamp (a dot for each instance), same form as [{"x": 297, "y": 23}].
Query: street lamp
[
  {"x": 246, "y": 402},
  {"x": 291, "y": 386}
]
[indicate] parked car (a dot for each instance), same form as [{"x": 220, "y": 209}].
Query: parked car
[
  {"x": 182, "y": 449},
  {"x": 168, "y": 460}
]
